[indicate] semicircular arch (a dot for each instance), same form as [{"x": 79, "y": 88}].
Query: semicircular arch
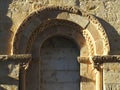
[
  {"x": 74, "y": 23},
  {"x": 91, "y": 29}
]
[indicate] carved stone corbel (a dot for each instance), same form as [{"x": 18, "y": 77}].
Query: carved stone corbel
[{"x": 109, "y": 62}]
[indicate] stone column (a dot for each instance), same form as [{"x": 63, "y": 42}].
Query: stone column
[
  {"x": 87, "y": 74},
  {"x": 111, "y": 71},
  {"x": 107, "y": 70},
  {"x": 99, "y": 79}
]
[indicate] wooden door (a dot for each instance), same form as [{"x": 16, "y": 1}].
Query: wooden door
[{"x": 59, "y": 69}]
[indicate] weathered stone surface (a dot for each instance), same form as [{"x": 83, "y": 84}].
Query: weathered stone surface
[
  {"x": 13, "y": 12},
  {"x": 14, "y": 71},
  {"x": 112, "y": 86},
  {"x": 109, "y": 12},
  {"x": 82, "y": 21},
  {"x": 52, "y": 26},
  {"x": 9, "y": 87},
  {"x": 10, "y": 70},
  {"x": 9, "y": 76},
  {"x": 111, "y": 76}
]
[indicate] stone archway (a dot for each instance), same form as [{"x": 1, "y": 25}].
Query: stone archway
[
  {"x": 83, "y": 28},
  {"x": 63, "y": 30}
]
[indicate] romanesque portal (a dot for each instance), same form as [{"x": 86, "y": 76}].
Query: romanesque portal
[{"x": 63, "y": 42}]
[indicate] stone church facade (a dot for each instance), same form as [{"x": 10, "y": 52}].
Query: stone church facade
[{"x": 59, "y": 45}]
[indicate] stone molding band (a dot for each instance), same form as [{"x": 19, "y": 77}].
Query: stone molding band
[{"x": 98, "y": 60}]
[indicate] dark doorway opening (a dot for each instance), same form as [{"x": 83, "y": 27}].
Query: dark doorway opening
[{"x": 59, "y": 69}]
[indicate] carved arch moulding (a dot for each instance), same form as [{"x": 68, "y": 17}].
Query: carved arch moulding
[{"x": 76, "y": 24}]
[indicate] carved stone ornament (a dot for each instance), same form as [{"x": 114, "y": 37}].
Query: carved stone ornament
[
  {"x": 76, "y": 24},
  {"x": 98, "y": 60}
]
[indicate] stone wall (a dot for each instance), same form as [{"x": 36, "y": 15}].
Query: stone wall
[
  {"x": 11, "y": 71},
  {"x": 13, "y": 12}
]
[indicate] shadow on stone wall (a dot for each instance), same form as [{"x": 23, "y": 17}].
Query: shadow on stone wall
[
  {"x": 113, "y": 36},
  {"x": 5, "y": 37},
  {"x": 2, "y": 88},
  {"x": 77, "y": 3},
  {"x": 6, "y": 70},
  {"x": 5, "y": 25}
]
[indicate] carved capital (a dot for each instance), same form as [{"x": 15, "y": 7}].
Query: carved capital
[
  {"x": 83, "y": 60},
  {"x": 98, "y": 60}
]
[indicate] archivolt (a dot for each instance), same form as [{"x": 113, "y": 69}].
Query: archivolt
[{"x": 89, "y": 26}]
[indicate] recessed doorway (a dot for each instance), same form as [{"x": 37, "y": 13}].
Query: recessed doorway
[{"x": 59, "y": 69}]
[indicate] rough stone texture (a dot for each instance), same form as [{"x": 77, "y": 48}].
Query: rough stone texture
[
  {"x": 10, "y": 68},
  {"x": 13, "y": 12},
  {"x": 106, "y": 10},
  {"x": 108, "y": 13},
  {"x": 111, "y": 76},
  {"x": 9, "y": 76}
]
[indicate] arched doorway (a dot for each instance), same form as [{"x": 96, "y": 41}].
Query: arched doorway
[
  {"x": 55, "y": 66},
  {"x": 67, "y": 21},
  {"x": 59, "y": 69},
  {"x": 64, "y": 37}
]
